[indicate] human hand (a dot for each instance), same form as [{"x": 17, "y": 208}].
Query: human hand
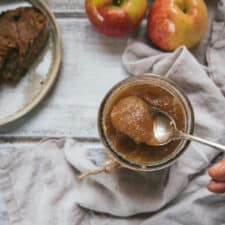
[{"x": 217, "y": 173}]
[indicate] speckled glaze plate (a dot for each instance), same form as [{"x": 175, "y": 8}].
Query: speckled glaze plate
[{"x": 18, "y": 100}]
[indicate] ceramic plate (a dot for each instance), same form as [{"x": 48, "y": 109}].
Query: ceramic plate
[{"x": 18, "y": 100}]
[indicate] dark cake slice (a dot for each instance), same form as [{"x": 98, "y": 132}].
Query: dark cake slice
[
  {"x": 7, "y": 48},
  {"x": 23, "y": 34}
]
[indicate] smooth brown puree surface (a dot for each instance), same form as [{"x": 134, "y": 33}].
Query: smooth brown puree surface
[{"x": 155, "y": 96}]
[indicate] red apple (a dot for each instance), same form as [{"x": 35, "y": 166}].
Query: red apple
[
  {"x": 172, "y": 23},
  {"x": 116, "y": 17}
]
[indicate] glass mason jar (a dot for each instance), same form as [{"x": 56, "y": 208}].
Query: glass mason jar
[{"x": 118, "y": 160}]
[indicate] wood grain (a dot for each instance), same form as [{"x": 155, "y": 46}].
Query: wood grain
[{"x": 67, "y": 5}]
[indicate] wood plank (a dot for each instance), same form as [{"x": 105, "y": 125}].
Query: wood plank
[
  {"x": 67, "y": 5},
  {"x": 91, "y": 65},
  {"x": 56, "y": 5}
]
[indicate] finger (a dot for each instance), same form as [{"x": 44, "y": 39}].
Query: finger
[
  {"x": 216, "y": 187},
  {"x": 217, "y": 172}
]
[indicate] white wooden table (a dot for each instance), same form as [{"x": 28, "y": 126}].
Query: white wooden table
[{"x": 91, "y": 65}]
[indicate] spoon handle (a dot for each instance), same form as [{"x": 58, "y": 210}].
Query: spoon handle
[{"x": 201, "y": 140}]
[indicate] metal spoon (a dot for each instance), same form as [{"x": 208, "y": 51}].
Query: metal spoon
[{"x": 165, "y": 131}]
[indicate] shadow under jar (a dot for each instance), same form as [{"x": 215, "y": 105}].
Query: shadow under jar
[{"x": 158, "y": 92}]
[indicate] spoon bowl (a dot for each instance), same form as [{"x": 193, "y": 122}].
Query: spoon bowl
[
  {"x": 165, "y": 131},
  {"x": 164, "y": 127}
]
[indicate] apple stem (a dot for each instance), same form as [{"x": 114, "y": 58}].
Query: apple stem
[
  {"x": 117, "y": 2},
  {"x": 184, "y": 10}
]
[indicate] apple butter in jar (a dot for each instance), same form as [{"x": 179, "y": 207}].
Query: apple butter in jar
[{"x": 125, "y": 121}]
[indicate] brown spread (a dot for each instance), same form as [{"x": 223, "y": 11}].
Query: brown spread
[
  {"x": 131, "y": 116},
  {"x": 127, "y": 123}
]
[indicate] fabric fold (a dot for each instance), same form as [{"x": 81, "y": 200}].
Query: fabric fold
[{"x": 163, "y": 186}]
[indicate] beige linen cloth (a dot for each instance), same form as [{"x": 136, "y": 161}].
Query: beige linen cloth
[{"x": 40, "y": 186}]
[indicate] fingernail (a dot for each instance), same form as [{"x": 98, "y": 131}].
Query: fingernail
[{"x": 218, "y": 166}]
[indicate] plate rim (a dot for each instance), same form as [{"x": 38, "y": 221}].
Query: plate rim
[{"x": 54, "y": 71}]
